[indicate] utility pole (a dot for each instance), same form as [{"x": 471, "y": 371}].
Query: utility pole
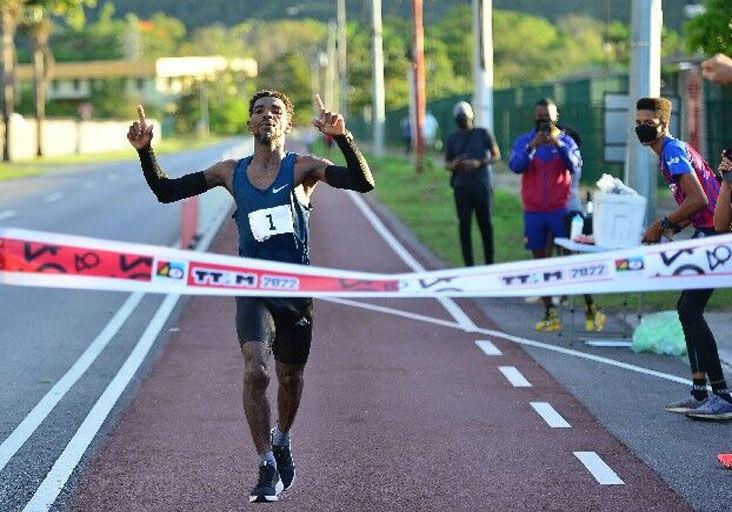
[
  {"x": 379, "y": 108},
  {"x": 342, "y": 71},
  {"x": 331, "y": 93},
  {"x": 644, "y": 80},
  {"x": 483, "y": 62},
  {"x": 419, "y": 82}
]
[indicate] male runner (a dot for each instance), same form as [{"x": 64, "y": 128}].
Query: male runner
[{"x": 272, "y": 190}]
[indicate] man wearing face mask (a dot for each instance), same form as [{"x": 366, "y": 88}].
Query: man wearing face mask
[
  {"x": 547, "y": 159},
  {"x": 469, "y": 152},
  {"x": 696, "y": 190}
]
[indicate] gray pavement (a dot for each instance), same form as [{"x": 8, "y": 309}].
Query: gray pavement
[{"x": 45, "y": 332}]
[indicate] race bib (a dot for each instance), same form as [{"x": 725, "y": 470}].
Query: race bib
[{"x": 271, "y": 221}]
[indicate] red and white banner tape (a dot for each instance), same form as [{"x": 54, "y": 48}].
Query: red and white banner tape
[{"x": 30, "y": 258}]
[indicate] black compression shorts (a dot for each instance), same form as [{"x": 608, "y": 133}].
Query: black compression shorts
[{"x": 286, "y": 324}]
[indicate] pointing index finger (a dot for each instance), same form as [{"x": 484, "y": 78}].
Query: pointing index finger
[
  {"x": 141, "y": 114},
  {"x": 320, "y": 104}
]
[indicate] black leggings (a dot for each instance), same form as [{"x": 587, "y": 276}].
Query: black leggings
[
  {"x": 700, "y": 341},
  {"x": 476, "y": 198}
]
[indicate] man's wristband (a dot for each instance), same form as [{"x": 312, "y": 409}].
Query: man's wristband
[{"x": 666, "y": 225}]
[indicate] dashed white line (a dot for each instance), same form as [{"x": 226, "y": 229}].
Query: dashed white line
[
  {"x": 7, "y": 214},
  {"x": 550, "y": 415},
  {"x": 515, "y": 339},
  {"x": 112, "y": 178},
  {"x": 53, "y": 197},
  {"x": 488, "y": 348},
  {"x": 88, "y": 185},
  {"x": 514, "y": 376},
  {"x": 599, "y": 469}
]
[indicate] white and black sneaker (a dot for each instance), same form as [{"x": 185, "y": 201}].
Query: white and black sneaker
[
  {"x": 285, "y": 464},
  {"x": 269, "y": 486}
]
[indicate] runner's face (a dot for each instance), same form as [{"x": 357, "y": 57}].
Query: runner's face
[{"x": 269, "y": 120}]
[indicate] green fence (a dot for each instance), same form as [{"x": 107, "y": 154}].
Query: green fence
[
  {"x": 581, "y": 106},
  {"x": 718, "y": 128}
]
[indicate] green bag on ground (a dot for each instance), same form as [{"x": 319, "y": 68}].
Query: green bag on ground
[{"x": 660, "y": 333}]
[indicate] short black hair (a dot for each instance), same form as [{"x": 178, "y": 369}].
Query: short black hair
[
  {"x": 545, "y": 102},
  {"x": 266, "y": 93},
  {"x": 660, "y": 106}
]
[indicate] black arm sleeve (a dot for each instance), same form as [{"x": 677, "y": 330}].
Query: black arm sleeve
[
  {"x": 168, "y": 189},
  {"x": 356, "y": 175}
]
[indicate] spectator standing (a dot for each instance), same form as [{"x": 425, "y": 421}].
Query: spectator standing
[
  {"x": 695, "y": 189},
  {"x": 547, "y": 159},
  {"x": 469, "y": 152}
]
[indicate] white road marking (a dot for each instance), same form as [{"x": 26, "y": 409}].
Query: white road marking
[
  {"x": 466, "y": 324},
  {"x": 515, "y": 339},
  {"x": 515, "y": 377},
  {"x": 112, "y": 178},
  {"x": 88, "y": 185},
  {"x": 599, "y": 469},
  {"x": 56, "y": 479},
  {"x": 609, "y": 343},
  {"x": 550, "y": 415},
  {"x": 458, "y": 314},
  {"x": 488, "y": 348},
  {"x": 7, "y": 214},
  {"x": 22, "y": 432},
  {"x": 53, "y": 197}
]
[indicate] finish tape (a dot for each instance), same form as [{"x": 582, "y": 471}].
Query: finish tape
[{"x": 32, "y": 258}]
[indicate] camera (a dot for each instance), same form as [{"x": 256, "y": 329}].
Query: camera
[{"x": 546, "y": 127}]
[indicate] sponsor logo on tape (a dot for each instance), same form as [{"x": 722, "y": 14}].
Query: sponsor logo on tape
[
  {"x": 631, "y": 264},
  {"x": 532, "y": 278},
  {"x": 216, "y": 277},
  {"x": 170, "y": 270}
]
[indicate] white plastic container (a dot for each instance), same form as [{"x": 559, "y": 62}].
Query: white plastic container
[{"x": 617, "y": 221}]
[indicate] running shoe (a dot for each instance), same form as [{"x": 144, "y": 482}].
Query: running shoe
[
  {"x": 269, "y": 485},
  {"x": 550, "y": 322},
  {"x": 685, "y": 405},
  {"x": 714, "y": 408},
  {"x": 285, "y": 463},
  {"x": 725, "y": 459},
  {"x": 594, "y": 320}
]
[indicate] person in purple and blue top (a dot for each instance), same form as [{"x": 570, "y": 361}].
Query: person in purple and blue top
[
  {"x": 548, "y": 159},
  {"x": 695, "y": 188}
]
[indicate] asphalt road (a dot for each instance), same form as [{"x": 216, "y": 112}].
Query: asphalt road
[
  {"x": 46, "y": 331},
  {"x": 403, "y": 408}
]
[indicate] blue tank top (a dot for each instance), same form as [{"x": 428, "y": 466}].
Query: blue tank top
[{"x": 272, "y": 223}]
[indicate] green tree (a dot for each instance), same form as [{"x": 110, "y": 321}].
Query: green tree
[
  {"x": 711, "y": 31},
  {"x": 39, "y": 24},
  {"x": 161, "y": 35},
  {"x": 101, "y": 40},
  {"x": 10, "y": 12}
]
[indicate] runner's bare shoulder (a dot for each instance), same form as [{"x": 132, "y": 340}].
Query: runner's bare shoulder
[{"x": 221, "y": 174}]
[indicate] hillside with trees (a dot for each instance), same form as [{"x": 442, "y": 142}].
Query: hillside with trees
[{"x": 195, "y": 13}]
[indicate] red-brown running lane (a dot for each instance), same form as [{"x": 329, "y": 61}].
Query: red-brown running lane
[{"x": 397, "y": 414}]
